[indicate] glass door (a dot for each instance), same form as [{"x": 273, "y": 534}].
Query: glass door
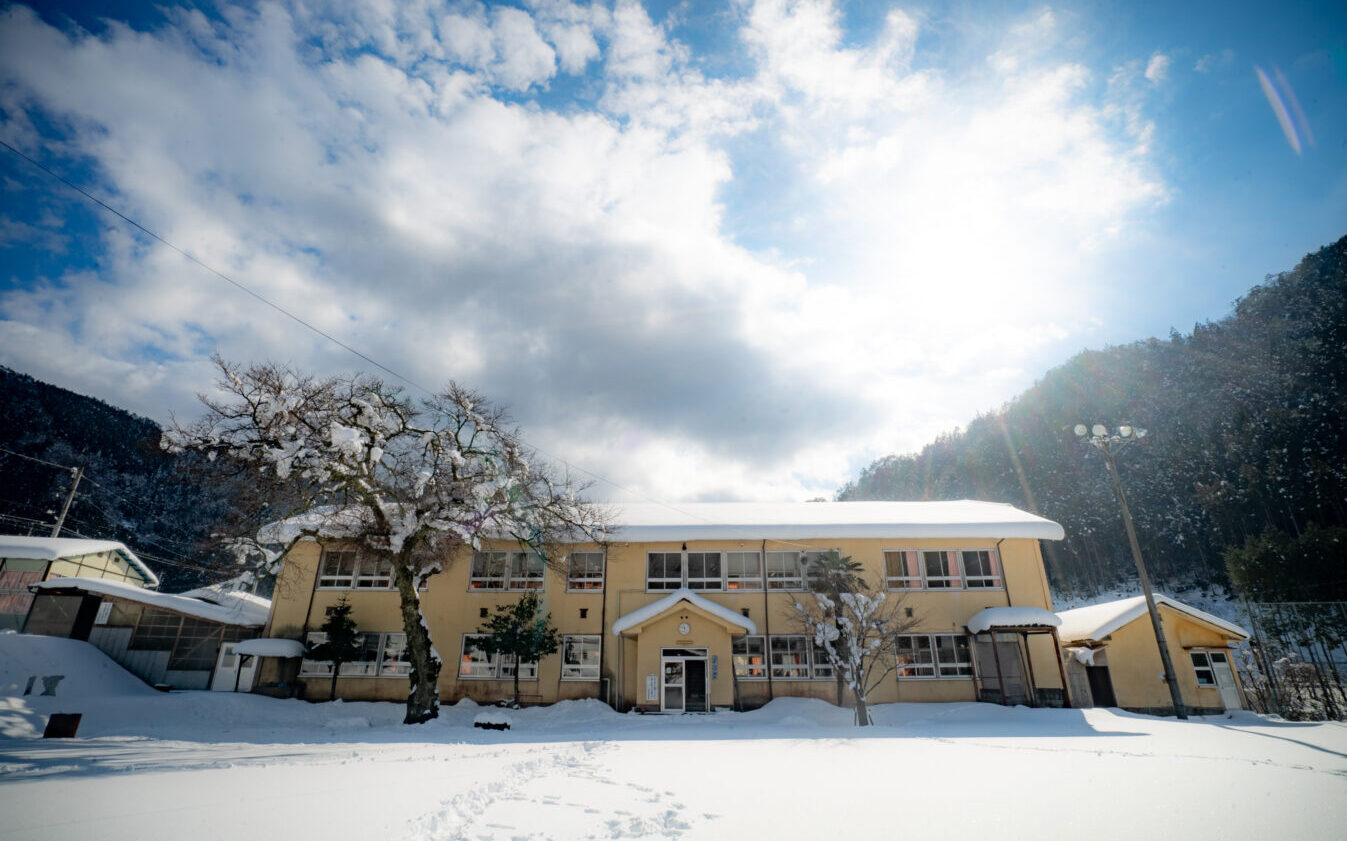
[{"x": 672, "y": 699}]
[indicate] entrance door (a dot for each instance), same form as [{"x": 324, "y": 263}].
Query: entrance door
[
  {"x": 1225, "y": 680},
  {"x": 227, "y": 675},
  {"x": 1101, "y": 687},
  {"x": 683, "y": 676}
]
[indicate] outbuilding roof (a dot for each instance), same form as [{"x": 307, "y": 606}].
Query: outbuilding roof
[
  {"x": 1012, "y": 617},
  {"x": 1096, "y": 621},
  {"x": 57, "y": 548},
  {"x": 246, "y": 610}
]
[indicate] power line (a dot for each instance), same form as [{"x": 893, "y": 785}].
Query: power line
[
  {"x": 33, "y": 458},
  {"x": 312, "y": 327}
]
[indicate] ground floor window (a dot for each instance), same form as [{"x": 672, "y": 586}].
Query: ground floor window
[
  {"x": 790, "y": 657},
  {"x": 934, "y": 656},
  {"x": 1206, "y": 676},
  {"x": 580, "y": 657},
  {"x": 380, "y": 655},
  {"x": 474, "y": 663}
]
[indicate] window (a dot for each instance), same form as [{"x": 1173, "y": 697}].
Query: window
[
  {"x": 704, "y": 571},
  {"x": 901, "y": 570},
  {"x": 580, "y": 657},
  {"x": 381, "y": 655},
  {"x": 790, "y": 657},
  {"x": 375, "y": 573},
  {"x": 345, "y": 568},
  {"x": 338, "y": 568},
  {"x": 795, "y": 658},
  {"x": 743, "y": 571},
  {"x": 664, "y": 571},
  {"x": 196, "y": 647},
  {"x": 934, "y": 656},
  {"x": 506, "y": 571},
  {"x": 526, "y": 571},
  {"x": 785, "y": 571},
  {"x": 585, "y": 572},
  {"x": 1206, "y": 676},
  {"x": 941, "y": 569},
  {"x": 476, "y": 663},
  {"x": 980, "y": 569},
  {"x": 750, "y": 661}
]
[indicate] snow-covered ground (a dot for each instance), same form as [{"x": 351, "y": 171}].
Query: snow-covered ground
[{"x": 216, "y": 765}]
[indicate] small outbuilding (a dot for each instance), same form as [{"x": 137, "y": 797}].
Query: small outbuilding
[
  {"x": 182, "y": 641},
  {"x": 27, "y": 560},
  {"x": 1114, "y": 660}
]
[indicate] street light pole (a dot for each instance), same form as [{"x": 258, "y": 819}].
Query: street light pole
[{"x": 1106, "y": 443}]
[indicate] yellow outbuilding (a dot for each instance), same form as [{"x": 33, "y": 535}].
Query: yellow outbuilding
[{"x": 1116, "y": 662}]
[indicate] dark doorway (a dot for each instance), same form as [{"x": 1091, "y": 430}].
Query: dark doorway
[
  {"x": 696, "y": 686},
  {"x": 1101, "y": 687}
]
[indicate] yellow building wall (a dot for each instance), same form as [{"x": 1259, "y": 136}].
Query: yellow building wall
[
  {"x": 99, "y": 565},
  {"x": 452, "y": 609},
  {"x": 1138, "y": 673}
]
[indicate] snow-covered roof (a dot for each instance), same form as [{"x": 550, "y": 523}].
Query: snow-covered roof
[
  {"x": 1099, "y": 620},
  {"x": 655, "y": 608},
  {"x": 226, "y": 595},
  {"x": 795, "y": 520},
  {"x": 56, "y": 548},
  {"x": 270, "y": 647},
  {"x": 250, "y": 612},
  {"x": 1012, "y": 617}
]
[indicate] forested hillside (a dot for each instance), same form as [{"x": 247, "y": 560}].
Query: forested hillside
[
  {"x": 1246, "y": 455},
  {"x": 132, "y": 491}
]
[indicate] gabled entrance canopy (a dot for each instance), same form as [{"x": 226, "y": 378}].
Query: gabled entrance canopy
[{"x": 633, "y": 623}]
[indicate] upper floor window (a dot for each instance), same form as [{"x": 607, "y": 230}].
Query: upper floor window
[
  {"x": 498, "y": 570},
  {"x": 704, "y": 572},
  {"x": 941, "y": 569},
  {"x": 663, "y": 570},
  {"x": 743, "y": 571},
  {"x": 785, "y": 571},
  {"x": 585, "y": 571},
  {"x": 349, "y": 568}
]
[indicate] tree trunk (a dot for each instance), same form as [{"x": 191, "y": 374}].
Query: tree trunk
[
  {"x": 423, "y": 700},
  {"x": 862, "y": 711},
  {"x": 516, "y": 682},
  {"x": 332, "y": 691}
]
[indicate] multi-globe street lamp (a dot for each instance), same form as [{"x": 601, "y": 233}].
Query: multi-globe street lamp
[{"x": 1109, "y": 443}]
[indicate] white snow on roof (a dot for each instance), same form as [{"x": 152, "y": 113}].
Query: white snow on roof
[
  {"x": 1012, "y": 617},
  {"x": 270, "y": 647},
  {"x": 56, "y": 548},
  {"x": 247, "y": 613},
  {"x": 1099, "y": 620},
  {"x": 641, "y": 522},
  {"x": 227, "y": 596},
  {"x": 655, "y": 608}
]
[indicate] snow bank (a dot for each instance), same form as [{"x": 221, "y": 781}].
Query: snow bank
[{"x": 86, "y": 672}]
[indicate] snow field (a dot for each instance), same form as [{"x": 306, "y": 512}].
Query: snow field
[{"x": 205, "y": 765}]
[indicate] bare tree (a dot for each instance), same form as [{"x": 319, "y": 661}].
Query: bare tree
[
  {"x": 352, "y": 459},
  {"x": 855, "y": 624}
]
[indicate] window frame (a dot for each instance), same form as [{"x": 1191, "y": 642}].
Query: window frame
[
  {"x": 337, "y": 581},
  {"x": 502, "y": 665},
  {"x": 1209, "y": 668},
  {"x": 510, "y": 573},
  {"x": 377, "y": 642},
  {"x": 704, "y": 582},
  {"x": 587, "y": 582},
  {"x": 740, "y": 582},
  {"x": 936, "y": 668},
  {"x": 776, "y": 581},
  {"x": 958, "y": 579},
  {"x": 664, "y": 579},
  {"x": 814, "y": 667},
  {"x": 582, "y": 671},
  {"x": 744, "y": 667}
]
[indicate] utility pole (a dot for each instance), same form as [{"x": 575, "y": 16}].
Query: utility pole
[
  {"x": 70, "y": 497},
  {"x": 1106, "y": 444}
]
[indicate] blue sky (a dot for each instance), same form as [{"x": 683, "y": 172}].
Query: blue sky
[{"x": 705, "y": 250}]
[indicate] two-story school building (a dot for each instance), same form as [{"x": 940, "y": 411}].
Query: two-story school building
[{"x": 690, "y": 607}]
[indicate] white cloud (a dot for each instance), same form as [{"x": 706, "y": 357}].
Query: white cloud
[
  {"x": 1157, "y": 69},
  {"x": 919, "y": 236}
]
